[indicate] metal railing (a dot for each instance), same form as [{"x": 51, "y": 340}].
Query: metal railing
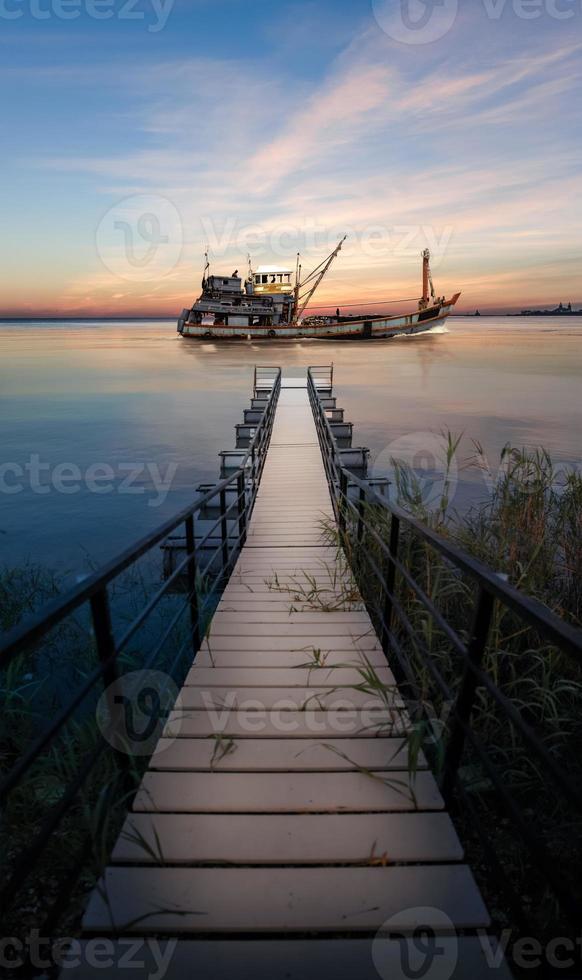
[
  {"x": 92, "y": 595},
  {"x": 382, "y": 566},
  {"x": 265, "y": 377},
  {"x": 322, "y": 375}
]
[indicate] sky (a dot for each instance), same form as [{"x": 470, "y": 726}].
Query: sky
[{"x": 137, "y": 133}]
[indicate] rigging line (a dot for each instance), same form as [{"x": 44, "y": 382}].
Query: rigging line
[
  {"x": 386, "y": 302},
  {"x": 316, "y": 270}
]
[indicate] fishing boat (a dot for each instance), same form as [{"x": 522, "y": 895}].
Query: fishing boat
[{"x": 273, "y": 301}]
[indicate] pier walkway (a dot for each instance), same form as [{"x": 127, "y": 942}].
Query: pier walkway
[{"x": 279, "y": 826}]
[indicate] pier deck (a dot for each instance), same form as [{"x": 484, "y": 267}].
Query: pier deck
[{"x": 279, "y": 805}]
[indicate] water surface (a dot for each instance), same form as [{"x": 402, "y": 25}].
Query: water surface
[{"x": 134, "y": 396}]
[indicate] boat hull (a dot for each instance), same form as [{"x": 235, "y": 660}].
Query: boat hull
[{"x": 371, "y": 328}]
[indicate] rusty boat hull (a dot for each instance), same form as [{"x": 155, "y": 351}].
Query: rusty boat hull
[{"x": 361, "y": 328}]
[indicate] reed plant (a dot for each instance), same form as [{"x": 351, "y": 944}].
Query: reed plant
[
  {"x": 34, "y": 688},
  {"x": 529, "y": 531}
]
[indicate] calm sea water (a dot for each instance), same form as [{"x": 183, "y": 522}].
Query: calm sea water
[{"x": 107, "y": 428}]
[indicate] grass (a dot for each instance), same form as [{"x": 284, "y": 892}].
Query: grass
[
  {"x": 34, "y": 689},
  {"x": 529, "y": 530}
]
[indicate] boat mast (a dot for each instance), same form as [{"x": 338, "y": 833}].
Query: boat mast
[
  {"x": 297, "y": 287},
  {"x": 316, "y": 277},
  {"x": 206, "y": 268},
  {"x": 427, "y": 283}
]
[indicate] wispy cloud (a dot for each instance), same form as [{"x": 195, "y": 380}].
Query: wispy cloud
[{"x": 477, "y": 143}]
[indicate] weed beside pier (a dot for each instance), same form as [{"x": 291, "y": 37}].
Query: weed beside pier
[{"x": 529, "y": 531}]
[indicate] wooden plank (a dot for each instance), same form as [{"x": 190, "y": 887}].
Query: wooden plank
[
  {"x": 295, "y": 659},
  {"x": 350, "y": 723},
  {"x": 297, "y": 630},
  {"x": 311, "y": 617},
  {"x": 295, "y": 959},
  {"x": 324, "y": 552},
  {"x": 281, "y": 519},
  {"x": 303, "y": 792},
  {"x": 304, "y": 641},
  {"x": 283, "y": 677},
  {"x": 288, "y": 839},
  {"x": 281, "y": 755},
  {"x": 319, "y": 597},
  {"x": 298, "y": 571},
  {"x": 290, "y": 561},
  {"x": 286, "y": 603},
  {"x": 293, "y": 571},
  {"x": 301, "y": 528},
  {"x": 293, "y": 581},
  {"x": 285, "y": 698},
  {"x": 340, "y": 900}
]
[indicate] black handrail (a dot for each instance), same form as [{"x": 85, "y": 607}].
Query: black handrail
[
  {"x": 353, "y": 521},
  {"x": 93, "y": 591}
]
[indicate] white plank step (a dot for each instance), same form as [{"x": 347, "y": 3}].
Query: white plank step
[
  {"x": 303, "y": 792},
  {"x": 354, "y": 723},
  {"x": 285, "y": 659},
  {"x": 306, "y": 959},
  {"x": 299, "y": 628},
  {"x": 300, "y": 641},
  {"x": 311, "y": 617},
  {"x": 285, "y": 698},
  {"x": 281, "y": 755},
  {"x": 303, "y": 677},
  {"x": 183, "y": 900},
  {"x": 287, "y": 839}
]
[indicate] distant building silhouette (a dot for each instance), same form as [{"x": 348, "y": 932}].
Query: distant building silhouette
[{"x": 560, "y": 310}]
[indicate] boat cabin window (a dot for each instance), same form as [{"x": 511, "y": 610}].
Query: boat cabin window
[{"x": 272, "y": 278}]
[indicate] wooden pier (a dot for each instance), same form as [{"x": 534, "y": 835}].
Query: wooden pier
[{"x": 279, "y": 826}]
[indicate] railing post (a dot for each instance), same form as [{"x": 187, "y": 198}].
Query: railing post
[
  {"x": 390, "y": 578},
  {"x": 461, "y": 714},
  {"x": 361, "y": 502},
  {"x": 105, "y": 643},
  {"x": 253, "y": 472},
  {"x": 343, "y": 492},
  {"x": 242, "y": 509},
  {"x": 192, "y": 592},
  {"x": 224, "y": 529}
]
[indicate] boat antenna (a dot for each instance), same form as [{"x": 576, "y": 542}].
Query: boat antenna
[{"x": 316, "y": 277}]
